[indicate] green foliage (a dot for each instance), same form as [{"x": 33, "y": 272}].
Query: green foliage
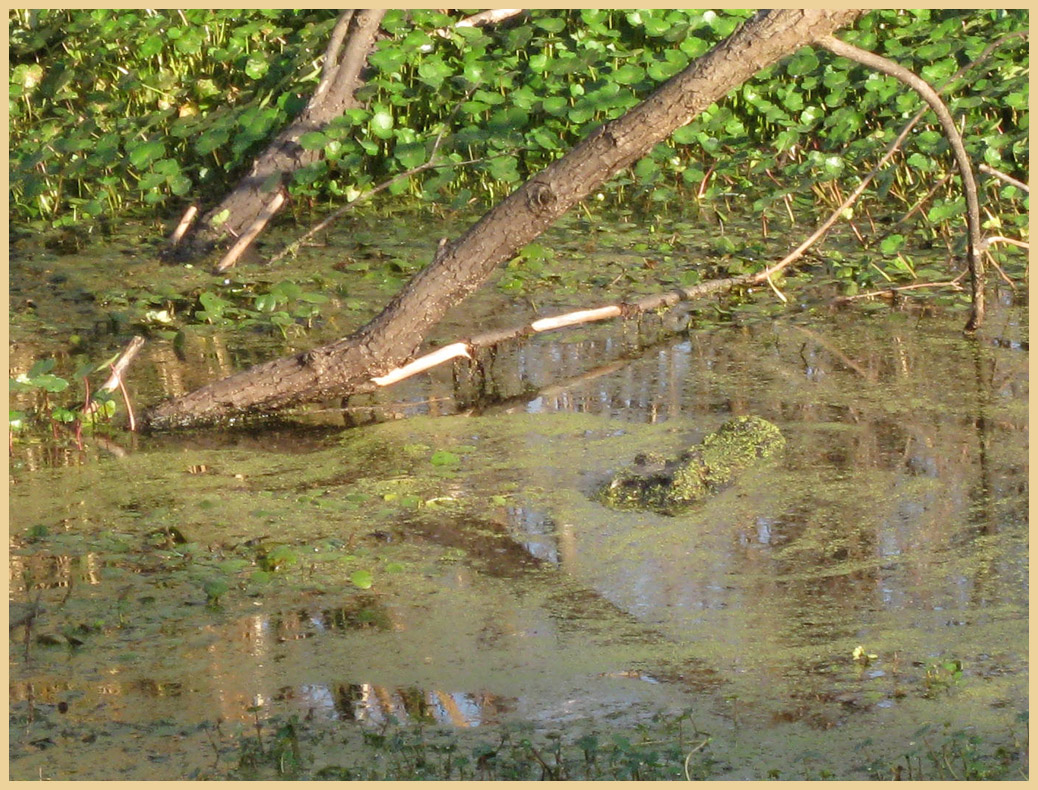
[
  {"x": 34, "y": 408},
  {"x": 669, "y": 748},
  {"x": 116, "y": 111}
]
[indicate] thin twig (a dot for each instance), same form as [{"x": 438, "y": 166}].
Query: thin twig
[
  {"x": 115, "y": 380},
  {"x": 688, "y": 757},
  {"x": 985, "y": 168},
  {"x": 129, "y": 408},
  {"x": 922, "y": 201},
  {"x": 962, "y": 160},
  {"x": 1006, "y": 240},
  {"x": 887, "y": 292},
  {"x": 991, "y": 259}
]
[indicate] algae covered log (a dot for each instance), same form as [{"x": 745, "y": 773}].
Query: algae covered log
[{"x": 670, "y": 486}]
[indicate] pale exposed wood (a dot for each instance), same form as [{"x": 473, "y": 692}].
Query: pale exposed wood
[
  {"x": 115, "y": 381},
  {"x": 430, "y": 360},
  {"x": 579, "y": 317},
  {"x": 465, "y": 348},
  {"x": 251, "y": 232},
  {"x": 490, "y": 17},
  {"x": 185, "y": 223},
  {"x": 122, "y": 363},
  {"x": 1006, "y": 240}
]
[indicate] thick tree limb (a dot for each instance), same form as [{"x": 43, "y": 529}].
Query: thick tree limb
[
  {"x": 459, "y": 268},
  {"x": 331, "y": 53}
]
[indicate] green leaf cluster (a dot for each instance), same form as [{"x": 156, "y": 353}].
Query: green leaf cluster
[
  {"x": 113, "y": 111},
  {"x": 119, "y": 110}
]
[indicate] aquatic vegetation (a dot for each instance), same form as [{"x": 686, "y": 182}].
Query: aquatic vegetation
[
  {"x": 671, "y": 486},
  {"x": 129, "y": 114},
  {"x": 440, "y": 596}
]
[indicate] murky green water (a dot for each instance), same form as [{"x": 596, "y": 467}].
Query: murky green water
[{"x": 190, "y": 585}]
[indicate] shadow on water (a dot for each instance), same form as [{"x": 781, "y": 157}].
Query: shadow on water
[{"x": 454, "y": 569}]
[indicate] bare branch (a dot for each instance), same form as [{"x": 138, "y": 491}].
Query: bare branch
[
  {"x": 490, "y": 17},
  {"x": 1008, "y": 179},
  {"x": 1006, "y": 240},
  {"x": 115, "y": 380},
  {"x": 969, "y": 185},
  {"x": 888, "y": 293},
  {"x": 348, "y": 69},
  {"x": 331, "y": 52}
]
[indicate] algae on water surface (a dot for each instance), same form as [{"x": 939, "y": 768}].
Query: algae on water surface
[{"x": 457, "y": 571}]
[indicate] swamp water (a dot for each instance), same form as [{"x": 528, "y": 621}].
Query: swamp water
[{"x": 854, "y": 609}]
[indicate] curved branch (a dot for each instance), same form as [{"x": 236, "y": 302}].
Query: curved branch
[{"x": 969, "y": 185}]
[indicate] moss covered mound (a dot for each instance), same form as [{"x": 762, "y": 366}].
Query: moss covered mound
[{"x": 670, "y": 486}]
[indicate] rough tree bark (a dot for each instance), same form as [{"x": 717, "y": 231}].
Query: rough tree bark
[
  {"x": 345, "y": 56},
  {"x": 460, "y": 267}
]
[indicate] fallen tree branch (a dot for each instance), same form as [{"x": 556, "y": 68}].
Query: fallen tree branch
[
  {"x": 351, "y": 40},
  {"x": 460, "y": 267},
  {"x": 331, "y": 53}
]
